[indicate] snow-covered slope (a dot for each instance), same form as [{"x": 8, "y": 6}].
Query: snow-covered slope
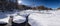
[
  {"x": 51, "y": 18},
  {"x": 4, "y": 16},
  {"x": 19, "y": 16},
  {"x": 27, "y": 12},
  {"x": 36, "y": 17}
]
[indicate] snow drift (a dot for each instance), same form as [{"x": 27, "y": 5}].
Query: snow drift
[{"x": 51, "y": 18}]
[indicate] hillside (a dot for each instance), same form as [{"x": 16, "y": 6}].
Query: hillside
[{"x": 45, "y": 17}]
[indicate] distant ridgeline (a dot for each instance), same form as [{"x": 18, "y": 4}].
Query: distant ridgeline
[
  {"x": 41, "y": 8},
  {"x": 13, "y": 4},
  {"x": 24, "y": 7},
  {"x": 8, "y": 4}
]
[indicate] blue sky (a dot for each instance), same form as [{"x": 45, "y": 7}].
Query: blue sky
[{"x": 47, "y": 3}]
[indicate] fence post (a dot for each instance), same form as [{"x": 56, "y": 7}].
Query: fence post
[{"x": 10, "y": 21}]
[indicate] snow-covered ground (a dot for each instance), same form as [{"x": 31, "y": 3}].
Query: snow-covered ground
[
  {"x": 35, "y": 18},
  {"x": 52, "y": 18}
]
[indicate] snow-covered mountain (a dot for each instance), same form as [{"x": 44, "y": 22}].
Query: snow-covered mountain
[{"x": 35, "y": 18}]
